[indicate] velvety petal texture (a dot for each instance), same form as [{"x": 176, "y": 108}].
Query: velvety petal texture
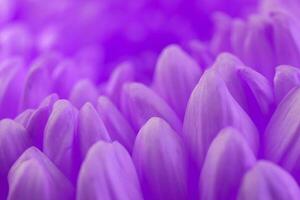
[
  {"x": 210, "y": 109},
  {"x": 12, "y": 80},
  {"x": 162, "y": 172},
  {"x": 90, "y": 128},
  {"x": 38, "y": 120},
  {"x": 123, "y": 73},
  {"x": 24, "y": 117},
  {"x": 108, "y": 173},
  {"x": 249, "y": 88},
  {"x": 149, "y": 99},
  {"x": 59, "y": 137},
  {"x": 34, "y": 176},
  {"x": 82, "y": 92},
  {"x": 140, "y": 103},
  {"x": 268, "y": 181},
  {"x": 285, "y": 79},
  {"x": 37, "y": 85},
  {"x": 282, "y": 134},
  {"x": 228, "y": 158},
  {"x": 118, "y": 127},
  {"x": 13, "y": 142},
  {"x": 176, "y": 69}
]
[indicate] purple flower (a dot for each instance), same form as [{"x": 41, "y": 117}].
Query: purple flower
[{"x": 154, "y": 100}]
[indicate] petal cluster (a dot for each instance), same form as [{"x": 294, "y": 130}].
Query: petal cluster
[{"x": 149, "y": 100}]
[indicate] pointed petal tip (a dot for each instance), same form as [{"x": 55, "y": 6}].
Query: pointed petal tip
[
  {"x": 218, "y": 181},
  {"x": 114, "y": 175},
  {"x": 162, "y": 173}
]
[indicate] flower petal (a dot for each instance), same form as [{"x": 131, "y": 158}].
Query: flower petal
[
  {"x": 176, "y": 69},
  {"x": 34, "y": 176},
  {"x": 123, "y": 73},
  {"x": 222, "y": 174},
  {"x": 286, "y": 78},
  {"x": 160, "y": 160},
  {"x": 64, "y": 77},
  {"x": 260, "y": 97},
  {"x": 13, "y": 141},
  {"x": 37, "y": 122},
  {"x": 210, "y": 109},
  {"x": 249, "y": 88},
  {"x": 90, "y": 128},
  {"x": 59, "y": 137},
  {"x": 286, "y": 48},
  {"x": 83, "y": 91},
  {"x": 282, "y": 134},
  {"x": 140, "y": 103},
  {"x": 268, "y": 181},
  {"x": 11, "y": 87},
  {"x": 108, "y": 173},
  {"x": 258, "y": 50},
  {"x": 118, "y": 127},
  {"x": 24, "y": 117},
  {"x": 38, "y": 84}
]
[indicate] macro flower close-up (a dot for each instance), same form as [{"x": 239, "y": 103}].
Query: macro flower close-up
[{"x": 150, "y": 100}]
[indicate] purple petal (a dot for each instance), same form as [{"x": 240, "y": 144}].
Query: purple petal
[
  {"x": 108, "y": 173},
  {"x": 249, "y": 88},
  {"x": 90, "y": 128},
  {"x": 282, "y": 134},
  {"x": 37, "y": 122},
  {"x": 118, "y": 127},
  {"x": 64, "y": 77},
  {"x": 238, "y": 34},
  {"x": 38, "y": 85},
  {"x": 260, "y": 97},
  {"x": 123, "y": 73},
  {"x": 83, "y": 91},
  {"x": 287, "y": 51},
  {"x": 11, "y": 88},
  {"x": 210, "y": 109},
  {"x": 258, "y": 52},
  {"x": 140, "y": 103},
  {"x": 34, "y": 176},
  {"x": 222, "y": 174},
  {"x": 15, "y": 38},
  {"x": 162, "y": 172},
  {"x": 286, "y": 78},
  {"x": 24, "y": 117},
  {"x": 13, "y": 141},
  {"x": 220, "y": 41},
  {"x": 268, "y": 181},
  {"x": 176, "y": 69},
  {"x": 59, "y": 136}
]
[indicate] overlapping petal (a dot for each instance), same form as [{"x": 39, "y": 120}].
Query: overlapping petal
[
  {"x": 162, "y": 173},
  {"x": 281, "y": 140},
  {"x": 118, "y": 127},
  {"x": 140, "y": 103},
  {"x": 228, "y": 158},
  {"x": 268, "y": 181},
  {"x": 176, "y": 69},
  {"x": 60, "y": 136},
  {"x": 108, "y": 173},
  {"x": 285, "y": 79},
  {"x": 210, "y": 109},
  {"x": 34, "y": 176},
  {"x": 82, "y": 92},
  {"x": 90, "y": 128}
]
